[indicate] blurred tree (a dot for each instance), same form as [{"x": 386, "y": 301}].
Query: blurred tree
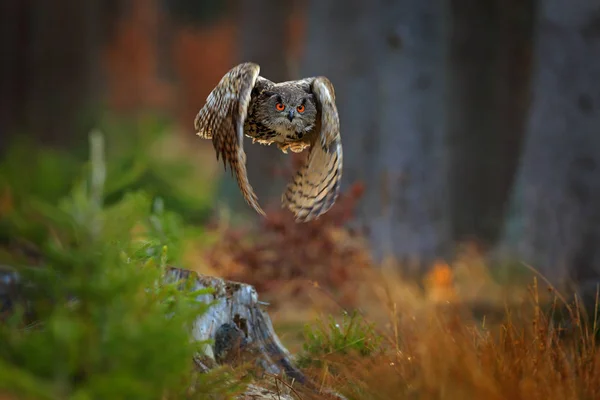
[
  {"x": 263, "y": 27},
  {"x": 136, "y": 61},
  {"x": 195, "y": 12},
  {"x": 50, "y": 67},
  {"x": 386, "y": 61},
  {"x": 489, "y": 75},
  {"x": 558, "y": 194}
]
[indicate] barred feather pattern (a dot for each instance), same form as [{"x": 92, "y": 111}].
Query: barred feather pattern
[
  {"x": 316, "y": 184},
  {"x": 222, "y": 120}
]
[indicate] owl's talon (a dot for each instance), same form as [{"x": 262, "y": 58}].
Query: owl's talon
[{"x": 283, "y": 147}]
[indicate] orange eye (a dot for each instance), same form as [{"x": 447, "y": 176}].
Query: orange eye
[
  {"x": 280, "y": 107},
  {"x": 300, "y": 109}
]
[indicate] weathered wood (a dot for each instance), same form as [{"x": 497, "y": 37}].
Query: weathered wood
[
  {"x": 254, "y": 392},
  {"x": 241, "y": 331},
  {"x": 238, "y": 326}
]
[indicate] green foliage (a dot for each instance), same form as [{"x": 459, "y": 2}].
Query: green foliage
[
  {"x": 137, "y": 159},
  {"x": 353, "y": 336},
  {"x": 35, "y": 172},
  {"x": 100, "y": 321}
]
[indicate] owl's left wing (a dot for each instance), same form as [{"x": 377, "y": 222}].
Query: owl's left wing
[
  {"x": 222, "y": 120},
  {"x": 316, "y": 185}
]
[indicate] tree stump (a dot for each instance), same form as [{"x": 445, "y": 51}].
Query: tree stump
[
  {"x": 238, "y": 326},
  {"x": 242, "y": 331}
]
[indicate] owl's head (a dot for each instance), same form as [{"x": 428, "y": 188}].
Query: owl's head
[{"x": 287, "y": 109}]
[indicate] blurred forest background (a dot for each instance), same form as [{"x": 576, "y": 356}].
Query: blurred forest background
[{"x": 467, "y": 125}]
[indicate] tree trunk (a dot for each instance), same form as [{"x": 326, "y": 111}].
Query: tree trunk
[
  {"x": 13, "y": 37},
  {"x": 386, "y": 61},
  {"x": 490, "y": 47},
  {"x": 558, "y": 196},
  {"x": 412, "y": 224},
  {"x": 262, "y": 40},
  {"x": 50, "y": 67}
]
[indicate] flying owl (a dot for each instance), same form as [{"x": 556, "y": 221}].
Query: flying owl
[{"x": 295, "y": 115}]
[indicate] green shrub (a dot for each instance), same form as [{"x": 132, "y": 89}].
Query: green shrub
[
  {"x": 99, "y": 321},
  {"x": 138, "y": 158}
]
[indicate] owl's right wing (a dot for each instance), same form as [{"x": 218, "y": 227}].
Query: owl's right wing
[{"x": 222, "y": 120}]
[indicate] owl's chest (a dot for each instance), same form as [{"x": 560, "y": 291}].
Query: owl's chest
[{"x": 257, "y": 130}]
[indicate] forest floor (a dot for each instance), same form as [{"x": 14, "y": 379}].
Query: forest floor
[{"x": 464, "y": 331}]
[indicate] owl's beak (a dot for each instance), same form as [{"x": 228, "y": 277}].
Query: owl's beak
[{"x": 291, "y": 115}]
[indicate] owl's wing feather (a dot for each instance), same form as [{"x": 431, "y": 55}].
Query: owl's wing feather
[
  {"x": 316, "y": 185},
  {"x": 222, "y": 120}
]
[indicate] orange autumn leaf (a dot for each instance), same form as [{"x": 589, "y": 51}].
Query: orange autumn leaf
[
  {"x": 441, "y": 274},
  {"x": 439, "y": 282}
]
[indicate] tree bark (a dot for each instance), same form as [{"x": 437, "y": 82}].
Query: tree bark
[
  {"x": 50, "y": 76},
  {"x": 13, "y": 37},
  {"x": 386, "y": 61},
  {"x": 490, "y": 47},
  {"x": 558, "y": 192}
]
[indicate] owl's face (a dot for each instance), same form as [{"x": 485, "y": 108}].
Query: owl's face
[{"x": 288, "y": 110}]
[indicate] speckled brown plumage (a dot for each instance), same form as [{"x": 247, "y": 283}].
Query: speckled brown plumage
[{"x": 295, "y": 115}]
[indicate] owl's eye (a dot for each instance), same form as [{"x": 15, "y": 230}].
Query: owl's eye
[
  {"x": 300, "y": 108},
  {"x": 280, "y": 107}
]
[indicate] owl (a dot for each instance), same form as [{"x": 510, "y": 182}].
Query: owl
[{"x": 294, "y": 115}]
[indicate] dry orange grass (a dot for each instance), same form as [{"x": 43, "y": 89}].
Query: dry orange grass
[
  {"x": 440, "y": 351},
  {"x": 460, "y": 334}
]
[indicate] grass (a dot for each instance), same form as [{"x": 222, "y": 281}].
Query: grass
[
  {"x": 466, "y": 332},
  {"x": 404, "y": 344}
]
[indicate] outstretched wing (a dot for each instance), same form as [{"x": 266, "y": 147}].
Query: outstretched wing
[
  {"x": 317, "y": 183},
  {"x": 222, "y": 120}
]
